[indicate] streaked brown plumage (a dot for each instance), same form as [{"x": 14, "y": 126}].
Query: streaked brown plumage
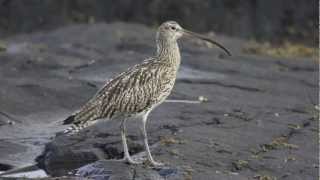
[
  {"x": 138, "y": 90},
  {"x": 131, "y": 92}
]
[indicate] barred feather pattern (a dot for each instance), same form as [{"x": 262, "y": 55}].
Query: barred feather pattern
[{"x": 137, "y": 90}]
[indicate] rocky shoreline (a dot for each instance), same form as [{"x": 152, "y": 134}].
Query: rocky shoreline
[{"x": 259, "y": 121}]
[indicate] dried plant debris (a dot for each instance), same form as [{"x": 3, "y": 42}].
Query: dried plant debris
[
  {"x": 188, "y": 172},
  {"x": 167, "y": 140},
  {"x": 287, "y": 49},
  {"x": 174, "y": 152},
  {"x": 239, "y": 165},
  {"x": 314, "y": 112},
  {"x": 290, "y": 158},
  {"x": 239, "y": 114},
  {"x": 264, "y": 177},
  {"x": 277, "y": 143},
  {"x": 294, "y": 126},
  {"x": 3, "y": 46}
]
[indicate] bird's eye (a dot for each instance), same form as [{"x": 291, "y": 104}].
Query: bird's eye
[{"x": 173, "y": 28}]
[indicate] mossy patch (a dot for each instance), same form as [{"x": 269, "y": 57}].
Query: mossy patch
[
  {"x": 277, "y": 143},
  {"x": 3, "y": 46},
  {"x": 239, "y": 165},
  {"x": 284, "y": 50},
  {"x": 264, "y": 177},
  {"x": 166, "y": 140}
]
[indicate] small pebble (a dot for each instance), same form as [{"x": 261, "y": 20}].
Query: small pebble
[
  {"x": 202, "y": 99},
  {"x": 10, "y": 122}
]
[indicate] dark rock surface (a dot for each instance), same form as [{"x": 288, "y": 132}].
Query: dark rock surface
[{"x": 260, "y": 119}]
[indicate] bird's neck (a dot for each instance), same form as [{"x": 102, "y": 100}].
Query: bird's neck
[{"x": 168, "y": 51}]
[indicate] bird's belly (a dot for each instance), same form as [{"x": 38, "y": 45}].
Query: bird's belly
[
  {"x": 148, "y": 110},
  {"x": 164, "y": 94},
  {"x": 137, "y": 108},
  {"x": 159, "y": 100}
]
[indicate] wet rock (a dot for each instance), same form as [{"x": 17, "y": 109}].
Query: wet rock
[
  {"x": 250, "y": 102},
  {"x": 78, "y": 155},
  {"x": 120, "y": 170},
  {"x": 66, "y": 153}
]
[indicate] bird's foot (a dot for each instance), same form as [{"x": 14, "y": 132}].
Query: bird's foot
[
  {"x": 131, "y": 161},
  {"x": 155, "y": 164}
]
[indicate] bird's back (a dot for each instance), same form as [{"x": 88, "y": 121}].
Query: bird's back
[{"x": 134, "y": 91}]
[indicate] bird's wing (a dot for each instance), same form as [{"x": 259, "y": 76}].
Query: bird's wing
[{"x": 133, "y": 91}]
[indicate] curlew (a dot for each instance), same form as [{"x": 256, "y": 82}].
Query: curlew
[{"x": 137, "y": 91}]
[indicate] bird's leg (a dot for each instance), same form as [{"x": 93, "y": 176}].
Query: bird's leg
[
  {"x": 145, "y": 139},
  {"x": 124, "y": 142}
]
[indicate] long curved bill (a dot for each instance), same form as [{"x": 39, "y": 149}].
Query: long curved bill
[{"x": 202, "y": 37}]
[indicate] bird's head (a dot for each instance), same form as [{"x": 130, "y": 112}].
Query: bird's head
[{"x": 172, "y": 31}]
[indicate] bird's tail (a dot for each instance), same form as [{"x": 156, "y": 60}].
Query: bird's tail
[
  {"x": 69, "y": 120},
  {"x": 87, "y": 116},
  {"x": 79, "y": 121},
  {"x": 75, "y": 126}
]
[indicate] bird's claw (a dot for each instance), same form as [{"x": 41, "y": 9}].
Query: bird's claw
[
  {"x": 131, "y": 161},
  {"x": 156, "y": 164}
]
